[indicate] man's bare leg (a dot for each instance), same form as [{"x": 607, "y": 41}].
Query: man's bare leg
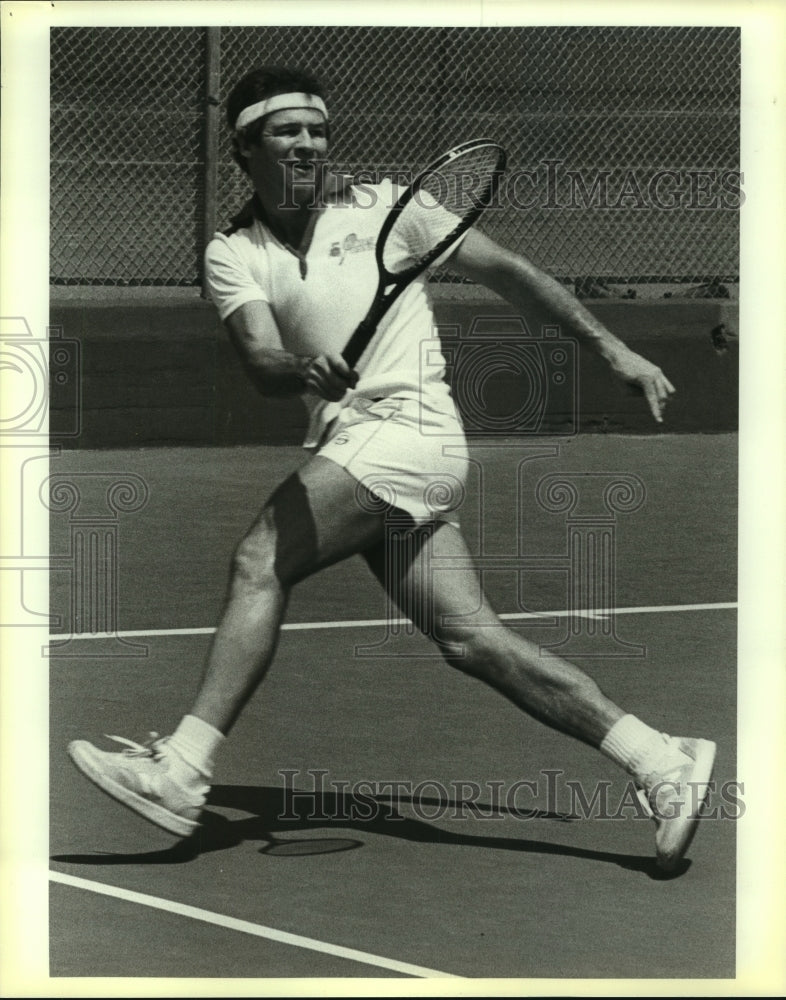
[
  {"x": 674, "y": 773},
  {"x": 311, "y": 521},
  {"x": 549, "y": 688}
]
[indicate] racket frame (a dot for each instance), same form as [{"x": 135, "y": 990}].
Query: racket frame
[{"x": 386, "y": 295}]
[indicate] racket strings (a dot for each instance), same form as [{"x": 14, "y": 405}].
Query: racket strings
[{"x": 444, "y": 202}]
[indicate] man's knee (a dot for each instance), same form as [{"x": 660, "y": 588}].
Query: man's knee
[
  {"x": 500, "y": 657},
  {"x": 479, "y": 652}
]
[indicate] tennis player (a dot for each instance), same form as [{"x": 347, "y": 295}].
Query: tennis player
[{"x": 291, "y": 278}]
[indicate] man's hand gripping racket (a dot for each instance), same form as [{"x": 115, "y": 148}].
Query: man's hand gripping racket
[{"x": 440, "y": 205}]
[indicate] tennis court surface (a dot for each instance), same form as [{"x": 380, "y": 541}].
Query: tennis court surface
[{"x": 414, "y": 848}]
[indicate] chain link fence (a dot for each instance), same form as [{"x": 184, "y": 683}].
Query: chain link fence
[{"x": 623, "y": 142}]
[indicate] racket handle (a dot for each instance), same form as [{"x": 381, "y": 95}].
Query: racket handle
[{"x": 358, "y": 342}]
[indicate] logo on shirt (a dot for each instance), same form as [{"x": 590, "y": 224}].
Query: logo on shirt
[{"x": 351, "y": 244}]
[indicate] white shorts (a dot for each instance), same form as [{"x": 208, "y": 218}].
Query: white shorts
[{"x": 408, "y": 450}]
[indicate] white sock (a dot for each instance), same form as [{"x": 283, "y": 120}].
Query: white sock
[
  {"x": 195, "y": 742},
  {"x": 635, "y": 746}
]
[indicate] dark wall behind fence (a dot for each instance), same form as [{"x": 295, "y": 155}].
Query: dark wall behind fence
[
  {"x": 623, "y": 142},
  {"x": 164, "y": 373}
]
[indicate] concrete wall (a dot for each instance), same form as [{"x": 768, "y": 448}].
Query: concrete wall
[{"x": 160, "y": 371}]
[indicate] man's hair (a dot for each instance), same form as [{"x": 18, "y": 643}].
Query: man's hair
[{"x": 258, "y": 85}]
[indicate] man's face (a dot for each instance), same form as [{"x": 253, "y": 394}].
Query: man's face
[{"x": 286, "y": 163}]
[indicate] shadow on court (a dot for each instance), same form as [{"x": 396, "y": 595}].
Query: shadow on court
[{"x": 273, "y": 812}]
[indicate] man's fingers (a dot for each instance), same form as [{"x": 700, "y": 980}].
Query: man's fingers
[
  {"x": 330, "y": 377},
  {"x": 645, "y": 379},
  {"x": 341, "y": 369},
  {"x": 326, "y": 387},
  {"x": 658, "y": 392},
  {"x": 656, "y": 402}
]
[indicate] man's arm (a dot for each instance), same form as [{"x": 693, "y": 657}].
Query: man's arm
[
  {"x": 276, "y": 372},
  {"x": 521, "y": 283}
]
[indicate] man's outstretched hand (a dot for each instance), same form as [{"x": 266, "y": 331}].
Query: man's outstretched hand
[{"x": 644, "y": 378}]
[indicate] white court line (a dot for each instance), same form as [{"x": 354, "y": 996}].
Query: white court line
[
  {"x": 370, "y": 622},
  {"x": 246, "y": 927}
]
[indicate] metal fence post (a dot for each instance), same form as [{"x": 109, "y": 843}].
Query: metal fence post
[{"x": 212, "y": 125}]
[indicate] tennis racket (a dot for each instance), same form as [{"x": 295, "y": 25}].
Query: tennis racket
[{"x": 441, "y": 204}]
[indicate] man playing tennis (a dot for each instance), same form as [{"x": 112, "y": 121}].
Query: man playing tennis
[{"x": 291, "y": 280}]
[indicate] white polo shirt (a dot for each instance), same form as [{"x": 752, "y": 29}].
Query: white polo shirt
[{"x": 318, "y": 298}]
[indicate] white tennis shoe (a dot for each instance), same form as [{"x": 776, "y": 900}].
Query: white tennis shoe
[
  {"x": 674, "y": 794},
  {"x": 139, "y": 778}
]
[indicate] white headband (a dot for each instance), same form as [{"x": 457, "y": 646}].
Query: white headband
[{"x": 279, "y": 103}]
